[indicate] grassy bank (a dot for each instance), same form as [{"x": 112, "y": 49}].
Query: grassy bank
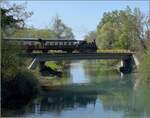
[{"x": 52, "y": 65}]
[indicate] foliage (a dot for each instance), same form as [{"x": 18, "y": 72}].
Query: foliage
[
  {"x": 61, "y": 30},
  {"x": 145, "y": 66},
  {"x": 10, "y": 63},
  {"x": 29, "y": 82},
  {"x": 21, "y": 88},
  {"x": 121, "y": 29},
  {"x": 58, "y": 31},
  {"x": 18, "y": 85},
  {"x": 90, "y": 37},
  {"x": 35, "y": 33},
  {"x": 12, "y": 18},
  {"x": 125, "y": 29},
  {"x": 52, "y": 65}
]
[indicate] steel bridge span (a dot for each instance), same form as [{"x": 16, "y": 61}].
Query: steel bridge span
[{"x": 128, "y": 60}]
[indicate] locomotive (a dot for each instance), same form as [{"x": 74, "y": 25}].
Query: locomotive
[{"x": 45, "y": 45}]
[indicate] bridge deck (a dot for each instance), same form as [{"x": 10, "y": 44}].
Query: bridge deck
[{"x": 76, "y": 56}]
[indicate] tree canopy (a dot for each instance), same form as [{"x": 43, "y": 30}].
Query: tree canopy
[
  {"x": 61, "y": 30},
  {"x": 122, "y": 29},
  {"x": 13, "y": 18}
]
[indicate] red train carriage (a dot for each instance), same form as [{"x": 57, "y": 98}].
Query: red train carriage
[{"x": 44, "y": 45}]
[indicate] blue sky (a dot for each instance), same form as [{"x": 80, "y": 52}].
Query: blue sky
[{"x": 81, "y": 16}]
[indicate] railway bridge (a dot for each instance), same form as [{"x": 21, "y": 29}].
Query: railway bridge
[
  {"x": 82, "y": 50},
  {"x": 127, "y": 58}
]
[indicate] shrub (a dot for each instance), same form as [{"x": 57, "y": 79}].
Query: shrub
[{"x": 19, "y": 90}]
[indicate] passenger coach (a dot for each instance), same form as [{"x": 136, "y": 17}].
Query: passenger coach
[{"x": 45, "y": 45}]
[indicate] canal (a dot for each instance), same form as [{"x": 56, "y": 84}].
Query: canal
[{"x": 92, "y": 91}]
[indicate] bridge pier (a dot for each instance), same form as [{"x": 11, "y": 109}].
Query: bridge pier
[
  {"x": 127, "y": 65},
  {"x": 33, "y": 64},
  {"x": 42, "y": 65}
]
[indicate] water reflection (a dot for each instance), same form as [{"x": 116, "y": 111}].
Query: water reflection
[
  {"x": 77, "y": 73},
  {"x": 57, "y": 103},
  {"x": 105, "y": 95}
]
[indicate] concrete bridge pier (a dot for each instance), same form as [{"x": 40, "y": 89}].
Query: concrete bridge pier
[
  {"x": 127, "y": 65},
  {"x": 33, "y": 64},
  {"x": 36, "y": 62},
  {"x": 42, "y": 65}
]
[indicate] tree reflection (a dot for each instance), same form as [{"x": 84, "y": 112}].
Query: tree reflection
[
  {"x": 133, "y": 103},
  {"x": 61, "y": 101}
]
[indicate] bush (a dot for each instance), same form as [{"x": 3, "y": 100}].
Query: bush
[{"x": 19, "y": 90}]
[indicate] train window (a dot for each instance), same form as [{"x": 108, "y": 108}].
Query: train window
[
  {"x": 56, "y": 43},
  {"x": 65, "y": 43},
  {"x": 69, "y": 43},
  {"x": 51, "y": 43},
  {"x": 59, "y": 43},
  {"x": 62, "y": 43},
  {"x": 74, "y": 43}
]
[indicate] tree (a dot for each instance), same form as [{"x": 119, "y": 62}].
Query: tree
[
  {"x": 90, "y": 37},
  {"x": 12, "y": 18},
  {"x": 18, "y": 84},
  {"x": 61, "y": 30},
  {"x": 122, "y": 29},
  {"x": 141, "y": 24},
  {"x": 35, "y": 33}
]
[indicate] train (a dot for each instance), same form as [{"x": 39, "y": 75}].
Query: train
[{"x": 45, "y": 45}]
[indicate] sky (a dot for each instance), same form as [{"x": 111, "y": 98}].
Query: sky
[{"x": 81, "y": 16}]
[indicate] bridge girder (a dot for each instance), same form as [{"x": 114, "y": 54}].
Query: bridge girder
[{"x": 76, "y": 56}]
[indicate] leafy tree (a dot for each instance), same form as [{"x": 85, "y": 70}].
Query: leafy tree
[
  {"x": 35, "y": 33},
  {"x": 144, "y": 67},
  {"x": 18, "y": 84},
  {"x": 91, "y": 36},
  {"x": 61, "y": 30},
  {"x": 9, "y": 62},
  {"x": 121, "y": 29},
  {"x": 12, "y": 18}
]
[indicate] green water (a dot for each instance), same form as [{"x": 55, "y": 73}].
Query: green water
[{"x": 91, "y": 91}]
